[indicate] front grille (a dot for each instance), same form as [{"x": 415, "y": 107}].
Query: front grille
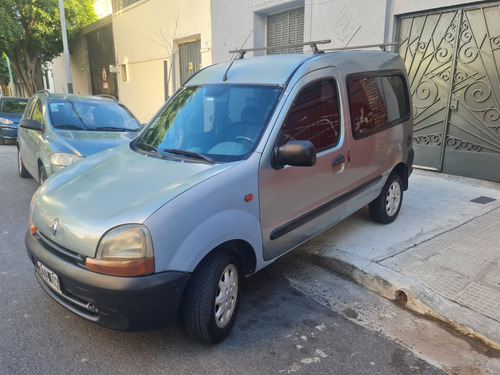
[{"x": 57, "y": 250}]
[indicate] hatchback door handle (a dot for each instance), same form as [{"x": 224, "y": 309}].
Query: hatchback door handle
[
  {"x": 338, "y": 164},
  {"x": 339, "y": 159}
]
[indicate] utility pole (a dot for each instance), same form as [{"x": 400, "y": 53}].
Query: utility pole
[{"x": 65, "y": 47}]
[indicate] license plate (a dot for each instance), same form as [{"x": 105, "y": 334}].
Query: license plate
[{"x": 49, "y": 277}]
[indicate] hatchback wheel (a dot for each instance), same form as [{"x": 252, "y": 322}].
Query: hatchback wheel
[
  {"x": 212, "y": 298},
  {"x": 20, "y": 166},
  {"x": 385, "y": 208}
]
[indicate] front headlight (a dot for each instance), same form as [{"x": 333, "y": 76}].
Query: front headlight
[
  {"x": 63, "y": 159},
  {"x": 6, "y": 121},
  {"x": 126, "y": 250}
]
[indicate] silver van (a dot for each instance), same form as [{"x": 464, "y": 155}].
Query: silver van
[{"x": 245, "y": 162}]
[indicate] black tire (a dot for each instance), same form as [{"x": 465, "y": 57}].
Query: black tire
[
  {"x": 2, "y": 142},
  {"x": 385, "y": 208},
  {"x": 212, "y": 298},
  {"x": 20, "y": 166},
  {"x": 42, "y": 175}
]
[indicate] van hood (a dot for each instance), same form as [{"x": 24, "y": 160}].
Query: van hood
[
  {"x": 86, "y": 142},
  {"x": 111, "y": 188}
]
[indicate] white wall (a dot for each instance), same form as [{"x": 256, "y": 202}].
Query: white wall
[
  {"x": 142, "y": 33},
  {"x": 344, "y": 22}
]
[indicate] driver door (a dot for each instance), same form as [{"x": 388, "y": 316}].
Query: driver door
[{"x": 299, "y": 202}]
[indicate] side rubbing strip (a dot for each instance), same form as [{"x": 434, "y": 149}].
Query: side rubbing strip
[{"x": 304, "y": 219}]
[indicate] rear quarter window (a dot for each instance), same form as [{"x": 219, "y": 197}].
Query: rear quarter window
[{"x": 377, "y": 103}]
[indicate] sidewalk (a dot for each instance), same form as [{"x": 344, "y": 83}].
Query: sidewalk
[{"x": 442, "y": 252}]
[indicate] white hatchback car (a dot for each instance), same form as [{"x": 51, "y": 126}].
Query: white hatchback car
[{"x": 245, "y": 162}]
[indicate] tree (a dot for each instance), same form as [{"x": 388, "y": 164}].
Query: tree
[
  {"x": 30, "y": 34},
  {"x": 4, "y": 73}
]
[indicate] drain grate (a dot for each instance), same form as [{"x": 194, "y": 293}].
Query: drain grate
[{"x": 483, "y": 200}]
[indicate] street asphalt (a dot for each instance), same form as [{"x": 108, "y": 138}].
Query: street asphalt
[{"x": 440, "y": 258}]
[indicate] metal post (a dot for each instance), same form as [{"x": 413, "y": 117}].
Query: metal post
[
  {"x": 10, "y": 76},
  {"x": 65, "y": 47},
  {"x": 388, "y": 21}
]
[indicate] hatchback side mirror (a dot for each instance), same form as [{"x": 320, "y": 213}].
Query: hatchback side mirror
[
  {"x": 31, "y": 124},
  {"x": 294, "y": 153}
]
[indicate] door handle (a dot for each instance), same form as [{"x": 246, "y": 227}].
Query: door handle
[{"x": 338, "y": 164}]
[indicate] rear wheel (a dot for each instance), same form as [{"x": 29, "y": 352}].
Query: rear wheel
[
  {"x": 212, "y": 298},
  {"x": 20, "y": 166},
  {"x": 385, "y": 208}
]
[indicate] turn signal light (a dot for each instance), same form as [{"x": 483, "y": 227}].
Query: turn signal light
[
  {"x": 122, "y": 267},
  {"x": 32, "y": 227}
]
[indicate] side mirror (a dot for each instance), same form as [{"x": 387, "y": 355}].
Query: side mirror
[
  {"x": 295, "y": 153},
  {"x": 31, "y": 124}
]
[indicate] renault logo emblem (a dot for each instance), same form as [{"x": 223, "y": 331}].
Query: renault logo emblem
[{"x": 54, "y": 226}]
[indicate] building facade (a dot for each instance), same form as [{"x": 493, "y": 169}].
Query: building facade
[{"x": 450, "y": 47}]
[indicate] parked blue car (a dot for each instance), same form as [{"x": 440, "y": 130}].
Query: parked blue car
[
  {"x": 59, "y": 129},
  {"x": 11, "y": 111}
]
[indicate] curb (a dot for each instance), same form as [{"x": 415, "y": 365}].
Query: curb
[{"x": 420, "y": 299}]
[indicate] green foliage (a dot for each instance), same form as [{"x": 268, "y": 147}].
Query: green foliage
[
  {"x": 30, "y": 30},
  {"x": 4, "y": 72}
]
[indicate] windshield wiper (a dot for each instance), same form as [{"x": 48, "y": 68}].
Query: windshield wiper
[
  {"x": 191, "y": 154},
  {"x": 108, "y": 129},
  {"x": 69, "y": 127}
]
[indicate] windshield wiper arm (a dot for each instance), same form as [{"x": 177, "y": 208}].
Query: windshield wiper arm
[
  {"x": 191, "y": 154},
  {"x": 149, "y": 147}
]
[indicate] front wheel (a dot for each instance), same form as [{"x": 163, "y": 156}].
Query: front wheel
[
  {"x": 385, "y": 208},
  {"x": 20, "y": 166},
  {"x": 42, "y": 175},
  {"x": 212, "y": 298}
]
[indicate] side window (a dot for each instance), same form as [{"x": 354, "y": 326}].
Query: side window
[
  {"x": 38, "y": 112},
  {"x": 28, "y": 111},
  {"x": 314, "y": 116},
  {"x": 376, "y": 103}
]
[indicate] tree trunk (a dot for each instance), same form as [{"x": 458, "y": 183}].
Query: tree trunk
[{"x": 28, "y": 72}]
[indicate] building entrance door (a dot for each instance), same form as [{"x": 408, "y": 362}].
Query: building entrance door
[
  {"x": 453, "y": 63},
  {"x": 189, "y": 59}
]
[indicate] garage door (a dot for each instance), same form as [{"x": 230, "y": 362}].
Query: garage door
[{"x": 453, "y": 62}]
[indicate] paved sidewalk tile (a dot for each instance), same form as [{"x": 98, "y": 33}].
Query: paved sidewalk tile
[{"x": 462, "y": 265}]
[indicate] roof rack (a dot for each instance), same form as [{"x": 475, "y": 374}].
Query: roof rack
[
  {"x": 379, "y": 45},
  {"x": 312, "y": 44},
  {"x": 44, "y": 91}
]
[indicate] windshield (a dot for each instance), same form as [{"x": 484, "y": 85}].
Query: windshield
[
  {"x": 91, "y": 115},
  {"x": 219, "y": 122}
]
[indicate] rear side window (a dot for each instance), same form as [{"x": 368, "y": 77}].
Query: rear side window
[
  {"x": 38, "y": 112},
  {"x": 377, "y": 103},
  {"x": 314, "y": 116}
]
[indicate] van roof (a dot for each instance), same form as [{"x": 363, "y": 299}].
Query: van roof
[{"x": 278, "y": 69}]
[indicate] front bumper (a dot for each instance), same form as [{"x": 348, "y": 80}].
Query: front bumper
[
  {"x": 120, "y": 303},
  {"x": 8, "y": 132}
]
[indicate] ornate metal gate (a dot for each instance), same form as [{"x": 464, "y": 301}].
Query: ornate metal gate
[{"x": 453, "y": 62}]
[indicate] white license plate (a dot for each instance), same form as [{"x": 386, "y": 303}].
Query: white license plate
[{"x": 50, "y": 277}]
